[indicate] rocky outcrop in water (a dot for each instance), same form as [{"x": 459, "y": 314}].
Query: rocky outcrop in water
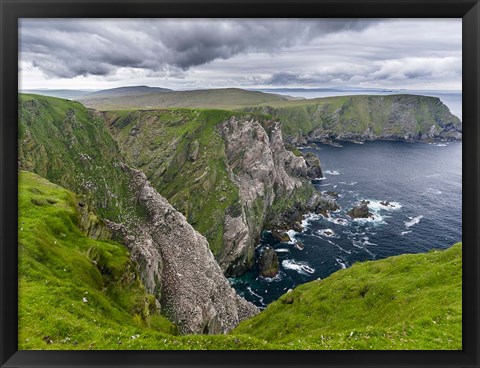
[
  {"x": 268, "y": 263},
  {"x": 360, "y": 211},
  {"x": 178, "y": 263},
  {"x": 314, "y": 167}
]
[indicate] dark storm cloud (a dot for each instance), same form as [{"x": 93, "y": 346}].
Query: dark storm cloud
[{"x": 69, "y": 48}]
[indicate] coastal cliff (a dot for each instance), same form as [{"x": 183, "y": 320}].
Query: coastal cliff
[
  {"x": 409, "y": 118},
  {"x": 175, "y": 262},
  {"x": 228, "y": 173}
]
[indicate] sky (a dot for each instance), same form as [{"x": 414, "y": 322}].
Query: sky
[{"x": 184, "y": 54}]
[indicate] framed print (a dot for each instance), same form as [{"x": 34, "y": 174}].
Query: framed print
[{"x": 200, "y": 183}]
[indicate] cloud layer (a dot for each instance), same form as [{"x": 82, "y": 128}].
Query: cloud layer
[
  {"x": 66, "y": 48},
  {"x": 199, "y": 53}
]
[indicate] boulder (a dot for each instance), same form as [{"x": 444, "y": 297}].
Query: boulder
[
  {"x": 268, "y": 263},
  {"x": 281, "y": 236},
  {"x": 193, "y": 151},
  {"x": 314, "y": 169},
  {"x": 360, "y": 211},
  {"x": 297, "y": 226}
]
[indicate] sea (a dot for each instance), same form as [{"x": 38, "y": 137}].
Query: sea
[{"x": 414, "y": 192}]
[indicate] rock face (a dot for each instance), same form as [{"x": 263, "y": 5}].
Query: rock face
[
  {"x": 268, "y": 263},
  {"x": 178, "y": 263},
  {"x": 265, "y": 172}
]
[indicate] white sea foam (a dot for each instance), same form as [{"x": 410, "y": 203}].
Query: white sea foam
[
  {"x": 292, "y": 234},
  {"x": 260, "y": 298},
  {"x": 413, "y": 221},
  {"x": 350, "y": 233},
  {"x": 329, "y": 233},
  {"x": 341, "y": 263},
  {"x": 276, "y": 278},
  {"x": 434, "y": 191},
  {"x": 282, "y": 250},
  {"x": 337, "y": 220},
  {"x": 440, "y": 145},
  {"x": 338, "y": 246},
  {"x": 332, "y": 172},
  {"x": 298, "y": 266},
  {"x": 375, "y": 205},
  {"x": 319, "y": 179},
  {"x": 309, "y": 217},
  {"x": 376, "y": 219},
  {"x": 405, "y": 232},
  {"x": 366, "y": 241}
]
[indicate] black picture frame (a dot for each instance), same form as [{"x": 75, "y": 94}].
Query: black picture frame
[{"x": 12, "y": 10}]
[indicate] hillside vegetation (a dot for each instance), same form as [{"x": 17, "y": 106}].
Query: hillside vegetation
[
  {"x": 69, "y": 145},
  {"x": 402, "y": 302},
  {"x": 76, "y": 292},
  {"x": 393, "y": 117},
  {"x": 227, "y": 98}
]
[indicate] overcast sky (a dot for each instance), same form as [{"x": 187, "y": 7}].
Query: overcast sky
[{"x": 192, "y": 53}]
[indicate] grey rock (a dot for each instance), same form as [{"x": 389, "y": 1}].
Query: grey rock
[
  {"x": 314, "y": 169},
  {"x": 193, "y": 151},
  {"x": 263, "y": 170},
  {"x": 178, "y": 266},
  {"x": 268, "y": 263},
  {"x": 360, "y": 211}
]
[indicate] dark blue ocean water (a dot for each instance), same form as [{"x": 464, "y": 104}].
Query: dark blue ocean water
[{"x": 421, "y": 181}]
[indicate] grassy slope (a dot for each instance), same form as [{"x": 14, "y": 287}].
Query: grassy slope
[
  {"x": 56, "y": 271},
  {"x": 69, "y": 145},
  {"x": 357, "y": 113},
  {"x": 402, "y": 302},
  {"x": 228, "y": 98}
]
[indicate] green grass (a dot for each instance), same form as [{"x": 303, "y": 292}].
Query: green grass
[
  {"x": 69, "y": 145},
  {"x": 402, "y": 302}
]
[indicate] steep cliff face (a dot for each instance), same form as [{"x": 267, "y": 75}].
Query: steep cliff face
[
  {"x": 265, "y": 172},
  {"x": 228, "y": 173},
  {"x": 393, "y": 117},
  {"x": 194, "y": 294},
  {"x": 175, "y": 262}
]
